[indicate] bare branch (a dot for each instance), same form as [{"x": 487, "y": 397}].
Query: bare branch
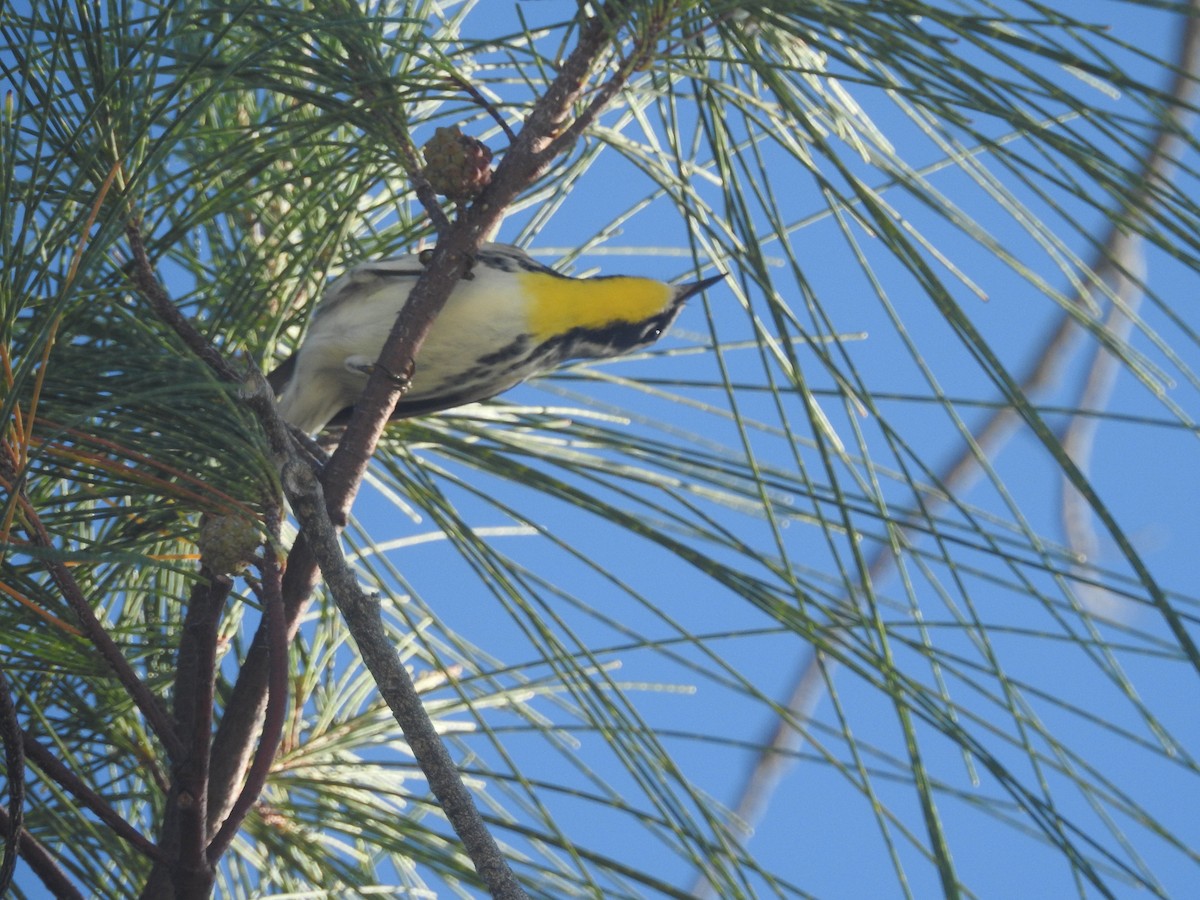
[
  {"x": 1080, "y": 434},
  {"x": 464, "y": 84},
  {"x": 242, "y": 718},
  {"x": 142, "y": 271}
]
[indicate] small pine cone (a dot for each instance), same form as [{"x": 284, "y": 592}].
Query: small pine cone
[
  {"x": 227, "y": 543},
  {"x": 457, "y": 166}
]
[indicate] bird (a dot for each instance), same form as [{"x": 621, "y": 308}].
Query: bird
[{"x": 507, "y": 319}]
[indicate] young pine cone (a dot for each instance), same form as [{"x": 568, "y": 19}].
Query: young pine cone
[{"x": 457, "y": 166}]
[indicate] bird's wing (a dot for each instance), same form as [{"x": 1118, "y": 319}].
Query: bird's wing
[
  {"x": 342, "y": 288},
  {"x": 364, "y": 276},
  {"x": 510, "y": 258},
  {"x": 506, "y": 257}
]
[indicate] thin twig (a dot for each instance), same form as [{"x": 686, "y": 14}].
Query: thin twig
[
  {"x": 43, "y": 864},
  {"x": 242, "y": 719},
  {"x": 53, "y": 768},
  {"x": 1080, "y": 434},
  {"x": 464, "y": 83},
  {"x": 148, "y": 285},
  {"x": 14, "y": 773}
]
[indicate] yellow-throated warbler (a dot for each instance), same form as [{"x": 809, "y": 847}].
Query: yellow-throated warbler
[{"x": 509, "y": 318}]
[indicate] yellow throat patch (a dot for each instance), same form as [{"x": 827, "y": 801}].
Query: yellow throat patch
[{"x": 558, "y": 305}]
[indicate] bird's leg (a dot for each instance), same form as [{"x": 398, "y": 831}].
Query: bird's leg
[
  {"x": 363, "y": 366},
  {"x": 403, "y": 380}
]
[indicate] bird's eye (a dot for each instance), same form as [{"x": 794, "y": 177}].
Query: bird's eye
[{"x": 651, "y": 333}]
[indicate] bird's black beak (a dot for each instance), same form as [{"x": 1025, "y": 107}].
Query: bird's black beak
[{"x": 683, "y": 291}]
